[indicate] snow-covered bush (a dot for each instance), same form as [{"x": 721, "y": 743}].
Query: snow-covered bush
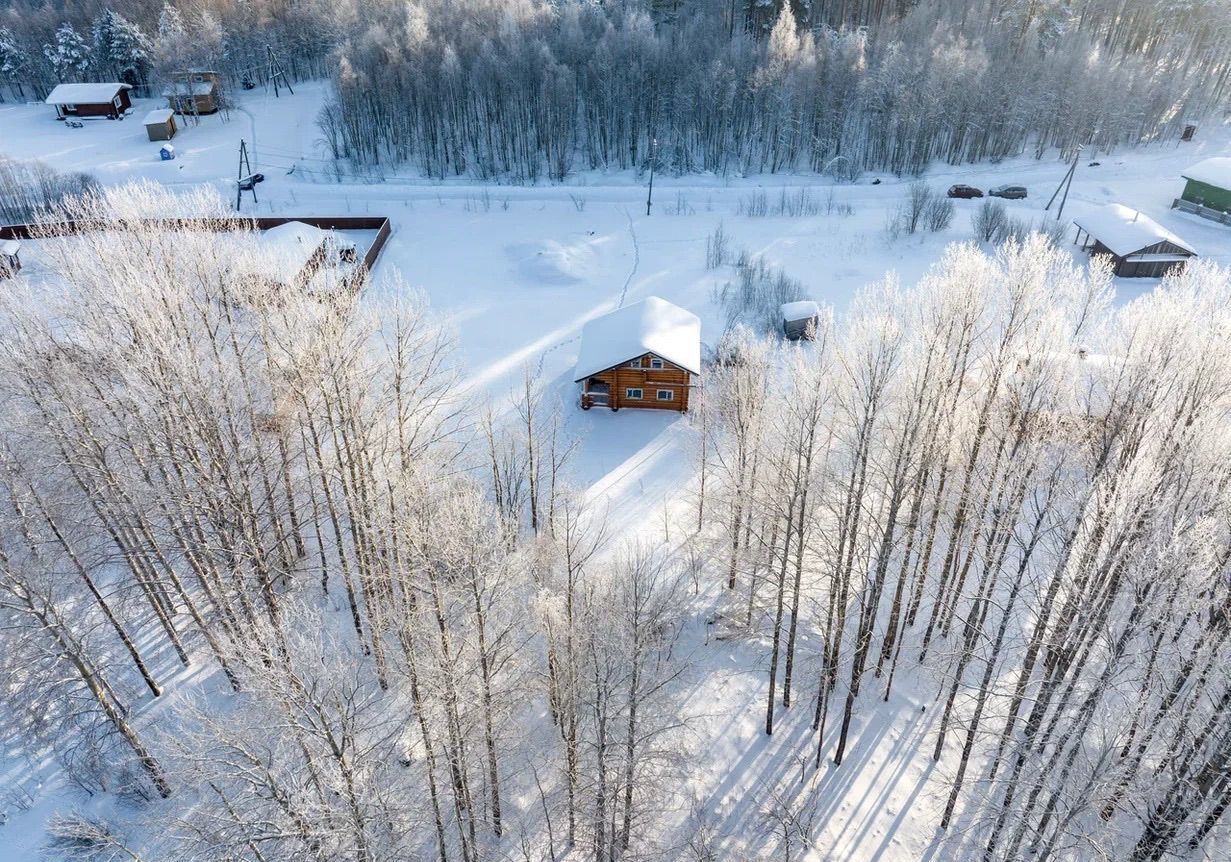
[
  {"x": 717, "y": 248},
  {"x": 988, "y": 221},
  {"x": 938, "y": 214},
  {"x": 79, "y": 838},
  {"x": 757, "y": 294}
]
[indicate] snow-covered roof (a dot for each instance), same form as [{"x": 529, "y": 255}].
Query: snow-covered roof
[
  {"x": 650, "y": 326},
  {"x": 292, "y": 234},
  {"x": 9, "y": 247},
  {"x": 158, "y": 116},
  {"x": 1125, "y": 230},
  {"x": 84, "y": 94},
  {"x": 280, "y": 253},
  {"x": 1214, "y": 172},
  {"x": 291, "y": 245},
  {"x": 804, "y": 309}
]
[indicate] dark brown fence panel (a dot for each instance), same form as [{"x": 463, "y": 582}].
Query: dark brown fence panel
[
  {"x": 380, "y": 224},
  {"x": 378, "y": 245}
]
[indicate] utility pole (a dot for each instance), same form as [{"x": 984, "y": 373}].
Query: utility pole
[
  {"x": 276, "y": 72},
  {"x": 1066, "y": 183},
  {"x": 649, "y": 198},
  {"x": 243, "y": 179}
]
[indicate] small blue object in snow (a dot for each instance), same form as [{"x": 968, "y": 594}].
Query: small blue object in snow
[{"x": 167, "y": 152}]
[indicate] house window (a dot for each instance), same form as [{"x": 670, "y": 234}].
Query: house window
[
  {"x": 666, "y": 395},
  {"x": 656, "y": 363},
  {"x": 634, "y": 363},
  {"x": 633, "y": 394}
]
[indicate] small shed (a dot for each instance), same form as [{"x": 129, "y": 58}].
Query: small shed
[
  {"x": 1138, "y": 246},
  {"x": 90, "y": 100},
  {"x": 287, "y": 254},
  {"x": 800, "y": 319},
  {"x": 1208, "y": 184},
  {"x": 194, "y": 92},
  {"x": 160, "y": 124},
  {"x": 10, "y": 263},
  {"x": 642, "y": 355}
]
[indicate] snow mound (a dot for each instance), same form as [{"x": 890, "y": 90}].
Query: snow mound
[{"x": 552, "y": 262}]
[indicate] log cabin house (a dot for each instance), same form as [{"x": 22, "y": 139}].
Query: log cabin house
[
  {"x": 90, "y": 100},
  {"x": 644, "y": 355},
  {"x": 1138, "y": 246}
]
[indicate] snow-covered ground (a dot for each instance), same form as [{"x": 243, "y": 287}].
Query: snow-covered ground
[{"x": 517, "y": 271}]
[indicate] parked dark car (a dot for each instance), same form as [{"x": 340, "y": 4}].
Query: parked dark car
[
  {"x": 1013, "y": 193},
  {"x": 964, "y": 191}
]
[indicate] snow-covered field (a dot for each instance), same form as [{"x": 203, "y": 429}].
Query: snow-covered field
[{"x": 517, "y": 271}]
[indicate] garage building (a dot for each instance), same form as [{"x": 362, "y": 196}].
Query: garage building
[{"x": 1138, "y": 246}]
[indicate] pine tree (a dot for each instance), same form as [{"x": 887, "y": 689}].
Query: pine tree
[
  {"x": 13, "y": 60},
  {"x": 121, "y": 50},
  {"x": 69, "y": 55}
]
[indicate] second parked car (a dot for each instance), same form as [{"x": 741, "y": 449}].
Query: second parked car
[
  {"x": 1010, "y": 192},
  {"x": 963, "y": 191}
]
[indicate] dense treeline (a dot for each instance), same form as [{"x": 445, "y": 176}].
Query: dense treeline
[
  {"x": 416, "y": 642},
  {"x": 530, "y": 89}
]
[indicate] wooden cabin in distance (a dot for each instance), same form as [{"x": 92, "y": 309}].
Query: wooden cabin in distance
[
  {"x": 643, "y": 355},
  {"x": 1138, "y": 246},
  {"x": 90, "y": 100},
  {"x": 194, "y": 92}
]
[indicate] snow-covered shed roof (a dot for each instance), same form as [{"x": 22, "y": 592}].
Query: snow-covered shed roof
[
  {"x": 9, "y": 247},
  {"x": 804, "y": 309},
  {"x": 650, "y": 326},
  {"x": 84, "y": 94},
  {"x": 1125, "y": 230},
  {"x": 292, "y": 243},
  {"x": 158, "y": 116},
  {"x": 1214, "y": 172},
  {"x": 280, "y": 253}
]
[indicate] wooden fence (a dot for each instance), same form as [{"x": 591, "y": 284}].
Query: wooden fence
[
  {"x": 1204, "y": 212},
  {"x": 380, "y": 224}
]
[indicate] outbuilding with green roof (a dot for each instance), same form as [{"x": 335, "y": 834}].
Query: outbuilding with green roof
[{"x": 1207, "y": 190}]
